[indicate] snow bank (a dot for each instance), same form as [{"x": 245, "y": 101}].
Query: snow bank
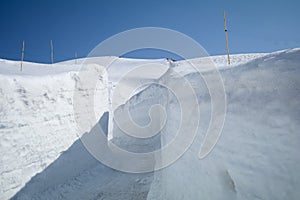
[
  {"x": 255, "y": 158},
  {"x": 38, "y": 131},
  {"x": 37, "y": 122}
]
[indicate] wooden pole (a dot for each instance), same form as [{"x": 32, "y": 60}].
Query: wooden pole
[
  {"x": 22, "y": 57},
  {"x": 51, "y": 47},
  {"x": 226, "y": 36},
  {"x": 76, "y": 57}
]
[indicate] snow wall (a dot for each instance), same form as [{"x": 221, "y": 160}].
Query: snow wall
[{"x": 257, "y": 156}]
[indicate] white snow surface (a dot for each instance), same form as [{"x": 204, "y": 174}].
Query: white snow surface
[{"x": 257, "y": 156}]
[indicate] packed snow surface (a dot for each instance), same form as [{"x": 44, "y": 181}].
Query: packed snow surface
[{"x": 256, "y": 157}]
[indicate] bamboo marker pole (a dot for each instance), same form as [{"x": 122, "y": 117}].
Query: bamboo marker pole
[
  {"x": 22, "y": 57},
  {"x": 226, "y": 36},
  {"x": 51, "y": 47},
  {"x": 76, "y": 57}
]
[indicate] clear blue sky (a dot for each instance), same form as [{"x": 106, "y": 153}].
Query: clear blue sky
[{"x": 77, "y": 25}]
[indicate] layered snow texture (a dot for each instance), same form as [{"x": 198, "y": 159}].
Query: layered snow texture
[{"x": 257, "y": 156}]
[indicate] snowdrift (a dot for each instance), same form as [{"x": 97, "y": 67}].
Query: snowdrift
[
  {"x": 257, "y": 154},
  {"x": 256, "y": 157}
]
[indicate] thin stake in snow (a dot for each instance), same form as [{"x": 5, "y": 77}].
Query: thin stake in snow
[
  {"x": 51, "y": 47},
  {"x": 75, "y": 57},
  {"x": 226, "y": 36},
  {"x": 22, "y": 57}
]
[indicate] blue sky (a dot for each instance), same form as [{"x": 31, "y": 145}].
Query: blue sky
[{"x": 254, "y": 26}]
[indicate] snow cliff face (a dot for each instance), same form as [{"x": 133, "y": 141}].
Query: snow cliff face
[
  {"x": 256, "y": 157},
  {"x": 36, "y": 125},
  {"x": 257, "y": 154}
]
